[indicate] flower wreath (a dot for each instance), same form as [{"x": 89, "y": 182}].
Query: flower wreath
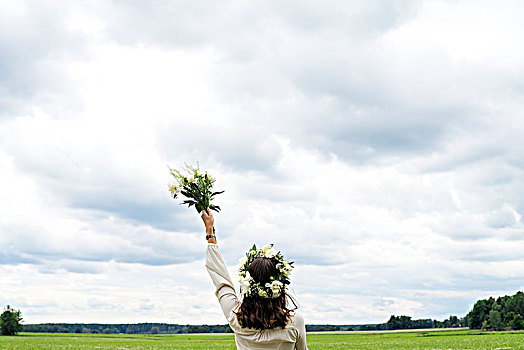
[{"x": 272, "y": 290}]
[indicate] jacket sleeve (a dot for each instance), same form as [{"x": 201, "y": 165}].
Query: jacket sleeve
[
  {"x": 225, "y": 290},
  {"x": 301, "y": 328}
]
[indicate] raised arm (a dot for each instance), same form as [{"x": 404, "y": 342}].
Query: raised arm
[{"x": 225, "y": 290}]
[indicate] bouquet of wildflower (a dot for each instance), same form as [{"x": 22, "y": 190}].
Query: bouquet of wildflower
[
  {"x": 278, "y": 283},
  {"x": 195, "y": 186}
]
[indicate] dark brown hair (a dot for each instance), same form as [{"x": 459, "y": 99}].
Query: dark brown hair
[{"x": 263, "y": 313}]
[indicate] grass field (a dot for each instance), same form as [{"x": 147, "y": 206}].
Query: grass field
[{"x": 463, "y": 339}]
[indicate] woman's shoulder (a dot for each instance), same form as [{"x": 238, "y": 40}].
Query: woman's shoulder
[{"x": 296, "y": 318}]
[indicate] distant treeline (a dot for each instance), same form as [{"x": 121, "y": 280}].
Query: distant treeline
[
  {"x": 139, "y": 328},
  {"x": 395, "y": 322},
  {"x": 405, "y": 322},
  {"x": 505, "y": 312}
]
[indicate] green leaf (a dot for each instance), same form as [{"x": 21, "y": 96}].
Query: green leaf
[
  {"x": 199, "y": 207},
  {"x": 187, "y": 194}
]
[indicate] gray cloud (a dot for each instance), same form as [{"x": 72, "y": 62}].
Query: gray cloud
[
  {"x": 35, "y": 41},
  {"x": 320, "y": 64},
  {"x": 101, "y": 242}
]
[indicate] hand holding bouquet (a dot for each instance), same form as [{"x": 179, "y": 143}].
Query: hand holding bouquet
[{"x": 195, "y": 186}]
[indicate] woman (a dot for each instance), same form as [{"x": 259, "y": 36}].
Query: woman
[{"x": 262, "y": 319}]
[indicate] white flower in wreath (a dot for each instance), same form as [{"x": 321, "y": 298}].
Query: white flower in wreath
[
  {"x": 262, "y": 293},
  {"x": 245, "y": 282},
  {"x": 275, "y": 286},
  {"x": 242, "y": 261},
  {"x": 270, "y": 253},
  {"x": 286, "y": 268}
]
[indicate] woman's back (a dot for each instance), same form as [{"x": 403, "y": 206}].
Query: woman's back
[{"x": 290, "y": 337}]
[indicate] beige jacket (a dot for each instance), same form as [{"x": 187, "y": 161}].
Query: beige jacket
[{"x": 292, "y": 337}]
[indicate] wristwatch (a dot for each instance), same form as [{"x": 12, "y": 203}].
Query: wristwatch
[{"x": 209, "y": 236}]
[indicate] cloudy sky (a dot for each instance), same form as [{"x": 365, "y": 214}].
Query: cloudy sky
[{"x": 378, "y": 144}]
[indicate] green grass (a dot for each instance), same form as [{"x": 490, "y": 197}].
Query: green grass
[
  {"x": 419, "y": 340},
  {"x": 463, "y": 339}
]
